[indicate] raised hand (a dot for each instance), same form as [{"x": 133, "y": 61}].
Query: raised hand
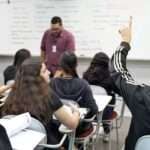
[{"x": 126, "y": 33}]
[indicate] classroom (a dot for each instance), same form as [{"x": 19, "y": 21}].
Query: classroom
[{"x": 74, "y": 75}]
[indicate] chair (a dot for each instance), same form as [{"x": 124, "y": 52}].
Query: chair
[
  {"x": 86, "y": 138},
  {"x": 87, "y": 135},
  {"x": 143, "y": 143},
  {"x": 117, "y": 117},
  {"x": 97, "y": 90},
  {"x": 114, "y": 116},
  {"x": 36, "y": 125}
]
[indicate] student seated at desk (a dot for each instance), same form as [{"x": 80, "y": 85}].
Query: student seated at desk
[
  {"x": 98, "y": 74},
  {"x": 69, "y": 86},
  {"x": 31, "y": 93},
  {"x": 10, "y": 71}
]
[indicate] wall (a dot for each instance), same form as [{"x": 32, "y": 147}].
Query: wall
[{"x": 94, "y": 23}]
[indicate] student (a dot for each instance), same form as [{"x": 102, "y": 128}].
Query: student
[
  {"x": 10, "y": 71},
  {"x": 98, "y": 74},
  {"x": 136, "y": 96},
  {"x": 68, "y": 85},
  {"x": 31, "y": 93}
]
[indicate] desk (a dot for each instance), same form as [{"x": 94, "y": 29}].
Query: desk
[{"x": 102, "y": 101}]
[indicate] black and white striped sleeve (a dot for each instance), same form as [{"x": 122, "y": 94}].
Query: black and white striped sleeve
[
  {"x": 119, "y": 62},
  {"x": 123, "y": 80}
]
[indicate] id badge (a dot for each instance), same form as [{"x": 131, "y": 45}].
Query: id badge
[{"x": 54, "y": 49}]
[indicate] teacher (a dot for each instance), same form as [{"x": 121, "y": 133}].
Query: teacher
[{"x": 55, "y": 42}]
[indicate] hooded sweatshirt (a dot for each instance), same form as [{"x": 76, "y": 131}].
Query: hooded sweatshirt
[{"x": 75, "y": 89}]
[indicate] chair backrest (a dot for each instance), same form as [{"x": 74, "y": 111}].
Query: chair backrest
[
  {"x": 35, "y": 125},
  {"x": 98, "y": 90},
  {"x": 143, "y": 143}
]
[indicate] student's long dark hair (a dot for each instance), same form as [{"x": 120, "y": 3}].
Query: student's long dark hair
[
  {"x": 68, "y": 62},
  {"x": 98, "y": 71},
  {"x": 30, "y": 93},
  {"x": 20, "y": 56}
]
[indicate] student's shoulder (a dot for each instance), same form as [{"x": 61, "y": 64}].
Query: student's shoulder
[{"x": 82, "y": 81}]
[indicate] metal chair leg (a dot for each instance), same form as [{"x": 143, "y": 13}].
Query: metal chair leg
[
  {"x": 111, "y": 124},
  {"x": 93, "y": 144},
  {"x": 99, "y": 121},
  {"x": 84, "y": 146},
  {"x": 117, "y": 135},
  {"x": 71, "y": 142}
]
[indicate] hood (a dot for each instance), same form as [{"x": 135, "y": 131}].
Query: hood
[{"x": 68, "y": 88}]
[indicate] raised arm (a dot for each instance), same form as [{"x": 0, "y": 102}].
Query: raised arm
[{"x": 119, "y": 72}]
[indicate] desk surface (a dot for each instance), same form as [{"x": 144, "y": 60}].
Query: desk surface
[{"x": 102, "y": 101}]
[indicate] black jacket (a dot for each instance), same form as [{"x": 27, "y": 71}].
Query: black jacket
[
  {"x": 75, "y": 89},
  {"x": 136, "y": 96},
  {"x": 4, "y": 141}
]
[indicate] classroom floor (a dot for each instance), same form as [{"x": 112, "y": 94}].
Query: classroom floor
[{"x": 100, "y": 145}]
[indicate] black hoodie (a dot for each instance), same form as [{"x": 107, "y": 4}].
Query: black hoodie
[{"x": 75, "y": 89}]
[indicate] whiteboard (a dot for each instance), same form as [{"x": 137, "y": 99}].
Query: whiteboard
[{"x": 94, "y": 23}]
